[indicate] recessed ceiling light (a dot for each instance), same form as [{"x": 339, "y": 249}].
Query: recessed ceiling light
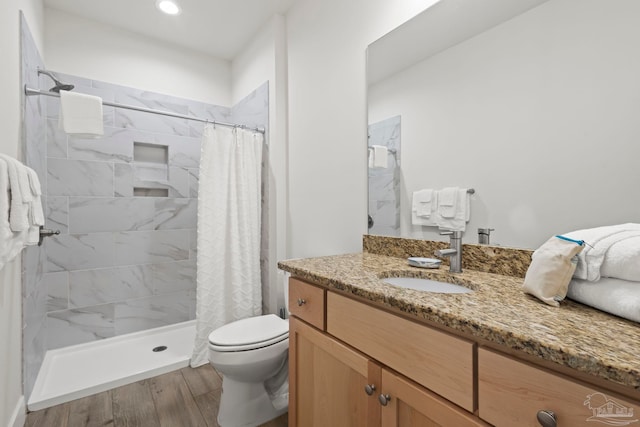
[{"x": 170, "y": 7}]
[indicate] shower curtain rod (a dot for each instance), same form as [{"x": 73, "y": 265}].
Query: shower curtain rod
[{"x": 29, "y": 91}]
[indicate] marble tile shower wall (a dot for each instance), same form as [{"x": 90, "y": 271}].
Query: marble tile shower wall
[
  {"x": 123, "y": 263},
  {"x": 34, "y": 297},
  {"x": 384, "y": 184}
]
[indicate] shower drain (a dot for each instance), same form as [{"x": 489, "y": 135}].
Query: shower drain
[{"x": 160, "y": 348}]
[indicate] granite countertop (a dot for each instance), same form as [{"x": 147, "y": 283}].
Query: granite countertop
[{"x": 498, "y": 311}]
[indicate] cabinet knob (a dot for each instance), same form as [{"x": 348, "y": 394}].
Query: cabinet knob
[
  {"x": 301, "y": 302},
  {"x": 369, "y": 388},
  {"x": 547, "y": 418},
  {"x": 384, "y": 399}
]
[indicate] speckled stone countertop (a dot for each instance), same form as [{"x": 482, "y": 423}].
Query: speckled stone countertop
[{"x": 498, "y": 311}]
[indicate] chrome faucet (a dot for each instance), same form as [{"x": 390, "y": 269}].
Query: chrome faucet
[{"x": 454, "y": 252}]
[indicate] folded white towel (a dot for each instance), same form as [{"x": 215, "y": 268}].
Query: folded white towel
[
  {"x": 599, "y": 241},
  {"x": 461, "y": 214},
  {"x": 25, "y": 213},
  {"x": 18, "y": 180},
  {"x": 11, "y": 243},
  {"x": 623, "y": 260},
  {"x": 80, "y": 114},
  {"x": 422, "y": 202},
  {"x": 448, "y": 202},
  {"x": 378, "y": 156},
  {"x": 615, "y": 296}
]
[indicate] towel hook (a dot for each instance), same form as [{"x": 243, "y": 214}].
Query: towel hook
[{"x": 45, "y": 232}]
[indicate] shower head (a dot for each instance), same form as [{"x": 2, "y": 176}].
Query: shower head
[{"x": 58, "y": 84}]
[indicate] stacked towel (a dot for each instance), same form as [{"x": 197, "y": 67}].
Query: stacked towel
[
  {"x": 422, "y": 207},
  {"x": 453, "y": 209},
  {"x": 611, "y": 251},
  {"x": 448, "y": 202},
  {"x": 80, "y": 114},
  {"x": 615, "y": 296},
  {"x": 21, "y": 212},
  {"x": 378, "y": 156},
  {"x": 422, "y": 202}
]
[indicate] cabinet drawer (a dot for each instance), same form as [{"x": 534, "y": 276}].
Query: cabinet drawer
[
  {"x": 434, "y": 359},
  {"x": 307, "y": 302},
  {"x": 511, "y": 393}
]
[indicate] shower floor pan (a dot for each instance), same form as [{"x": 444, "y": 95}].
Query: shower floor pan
[{"x": 82, "y": 370}]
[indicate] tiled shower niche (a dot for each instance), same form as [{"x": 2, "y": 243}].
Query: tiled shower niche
[{"x": 126, "y": 205}]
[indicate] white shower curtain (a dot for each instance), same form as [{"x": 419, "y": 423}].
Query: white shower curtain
[{"x": 228, "y": 259}]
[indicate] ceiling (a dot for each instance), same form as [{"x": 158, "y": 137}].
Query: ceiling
[{"x": 220, "y": 28}]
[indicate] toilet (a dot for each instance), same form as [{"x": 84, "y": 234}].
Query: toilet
[{"x": 252, "y": 357}]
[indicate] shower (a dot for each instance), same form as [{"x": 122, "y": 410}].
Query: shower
[{"x": 59, "y": 85}]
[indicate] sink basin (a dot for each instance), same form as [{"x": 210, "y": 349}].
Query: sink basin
[{"x": 426, "y": 285}]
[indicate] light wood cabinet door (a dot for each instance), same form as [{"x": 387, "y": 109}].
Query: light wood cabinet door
[
  {"x": 410, "y": 405},
  {"x": 327, "y": 381}
]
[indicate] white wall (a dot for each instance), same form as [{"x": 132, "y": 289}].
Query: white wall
[
  {"x": 11, "y": 399},
  {"x": 326, "y": 43},
  {"x": 539, "y": 115},
  {"x": 264, "y": 59},
  {"x": 86, "y": 48}
]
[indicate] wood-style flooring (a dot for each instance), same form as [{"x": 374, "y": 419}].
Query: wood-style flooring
[{"x": 183, "y": 398}]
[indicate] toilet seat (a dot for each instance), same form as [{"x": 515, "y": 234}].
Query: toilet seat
[{"x": 249, "y": 334}]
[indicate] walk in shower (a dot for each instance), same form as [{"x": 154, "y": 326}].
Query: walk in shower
[{"x": 124, "y": 263}]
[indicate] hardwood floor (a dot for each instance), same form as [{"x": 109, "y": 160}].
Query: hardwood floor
[{"x": 184, "y": 398}]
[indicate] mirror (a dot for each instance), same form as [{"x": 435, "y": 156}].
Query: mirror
[{"x": 534, "y": 104}]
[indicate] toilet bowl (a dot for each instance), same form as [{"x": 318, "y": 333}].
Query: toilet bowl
[{"x": 252, "y": 357}]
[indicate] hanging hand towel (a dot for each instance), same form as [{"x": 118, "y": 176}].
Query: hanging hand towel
[
  {"x": 462, "y": 213},
  {"x": 416, "y": 201},
  {"x": 447, "y": 202},
  {"x": 378, "y": 157},
  {"x": 80, "y": 114},
  {"x": 423, "y": 202}
]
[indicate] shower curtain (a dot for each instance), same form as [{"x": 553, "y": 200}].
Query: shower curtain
[{"x": 228, "y": 259}]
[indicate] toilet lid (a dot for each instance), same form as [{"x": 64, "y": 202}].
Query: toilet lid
[{"x": 250, "y": 333}]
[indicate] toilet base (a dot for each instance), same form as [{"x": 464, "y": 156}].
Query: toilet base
[{"x": 256, "y": 407}]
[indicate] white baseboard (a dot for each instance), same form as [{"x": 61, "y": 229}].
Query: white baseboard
[{"x": 19, "y": 416}]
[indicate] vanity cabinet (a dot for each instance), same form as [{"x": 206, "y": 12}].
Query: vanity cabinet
[
  {"x": 354, "y": 364},
  {"x": 359, "y": 371}
]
